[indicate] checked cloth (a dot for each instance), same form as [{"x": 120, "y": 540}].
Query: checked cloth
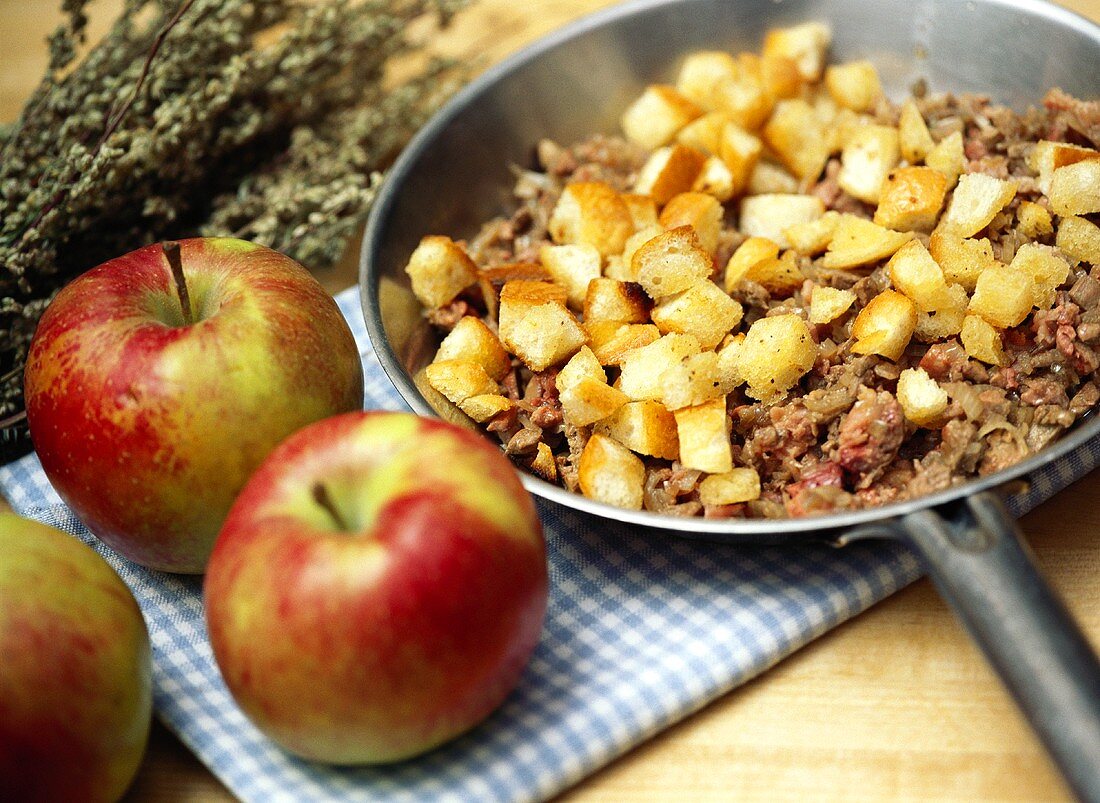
[{"x": 641, "y": 631}]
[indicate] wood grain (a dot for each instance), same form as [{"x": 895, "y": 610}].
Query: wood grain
[{"x": 895, "y": 705}]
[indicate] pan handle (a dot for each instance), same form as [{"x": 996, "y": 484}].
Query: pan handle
[{"x": 978, "y": 560}]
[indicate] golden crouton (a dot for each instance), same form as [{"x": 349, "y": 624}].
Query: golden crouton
[
  {"x": 948, "y": 157},
  {"x": 1003, "y": 296},
  {"x": 608, "y": 472},
  {"x": 962, "y": 259},
  {"x": 535, "y": 325},
  {"x": 744, "y": 98},
  {"x": 857, "y": 241},
  {"x": 472, "y": 340},
  {"x": 813, "y": 236},
  {"x": 798, "y": 137},
  {"x": 703, "y": 310},
  {"x": 776, "y": 352},
  {"x": 671, "y": 262},
  {"x": 1033, "y": 220},
  {"x": 828, "y": 303},
  {"x": 1075, "y": 188},
  {"x": 700, "y": 211},
  {"x": 779, "y": 276},
  {"x": 871, "y": 152},
  {"x": 977, "y": 198},
  {"x": 770, "y": 215},
  {"x": 740, "y": 151},
  {"x": 730, "y": 487},
  {"x": 767, "y": 178},
  {"x": 913, "y": 136},
  {"x": 482, "y": 408},
  {"x": 704, "y": 436},
  {"x": 591, "y": 213},
  {"x": 885, "y": 325},
  {"x": 911, "y": 199},
  {"x": 700, "y": 73},
  {"x": 915, "y": 273},
  {"x": 654, "y": 118},
  {"x": 1047, "y": 269},
  {"x": 573, "y": 267},
  {"x": 642, "y": 208},
  {"x": 669, "y": 171},
  {"x": 703, "y": 132},
  {"x": 854, "y": 85},
  {"x": 439, "y": 269},
  {"x": 646, "y": 427},
  {"x": 458, "y": 380},
  {"x": 751, "y": 252},
  {"x": 614, "y": 300},
  {"x": 611, "y": 341},
  {"x": 805, "y": 44},
  {"x": 1046, "y": 157},
  {"x": 582, "y": 365},
  {"x": 921, "y": 398},
  {"x": 589, "y": 400},
  {"x": 633, "y": 243},
  {"x": 543, "y": 463},
  {"x": 729, "y": 371},
  {"x": 780, "y": 76},
  {"x": 982, "y": 340},
  {"x": 644, "y": 369},
  {"x": 715, "y": 179},
  {"x": 1079, "y": 239},
  {"x": 944, "y": 321},
  {"x": 693, "y": 380}
]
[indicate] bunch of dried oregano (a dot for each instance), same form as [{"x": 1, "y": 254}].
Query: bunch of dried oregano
[{"x": 266, "y": 120}]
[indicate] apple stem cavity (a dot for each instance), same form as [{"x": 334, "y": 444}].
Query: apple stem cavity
[
  {"x": 175, "y": 262},
  {"x": 322, "y": 497}
]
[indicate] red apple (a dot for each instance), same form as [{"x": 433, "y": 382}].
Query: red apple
[
  {"x": 75, "y": 670},
  {"x": 378, "y": 587},
  {"x": 149, "y": 420}
]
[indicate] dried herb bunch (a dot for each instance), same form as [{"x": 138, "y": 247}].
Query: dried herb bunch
[{"x": 265, "y": 120}]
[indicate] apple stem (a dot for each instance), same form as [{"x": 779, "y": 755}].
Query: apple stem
[
  {"x": 175, "y": 262},
  {"x": 321, "y": 496}
]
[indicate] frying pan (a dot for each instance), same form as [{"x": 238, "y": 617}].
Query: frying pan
[{"x": 455, "y": 175}]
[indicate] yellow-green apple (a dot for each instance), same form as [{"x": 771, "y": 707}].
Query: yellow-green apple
[
  {"x": 378, "y": 587},
  {"x": 157, "y": 382},
  {"x": 75, "y": 673}
]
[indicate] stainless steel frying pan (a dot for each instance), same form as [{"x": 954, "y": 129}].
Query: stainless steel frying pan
[{"x": 455, "y": 175}]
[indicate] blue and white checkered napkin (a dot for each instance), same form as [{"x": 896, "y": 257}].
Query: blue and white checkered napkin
[{"x": 641, "y": 631}]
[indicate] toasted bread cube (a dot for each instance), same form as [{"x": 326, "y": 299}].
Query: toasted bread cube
[
  {"x": 535, "y": 325},
  {"x": 543, "y": 463},
  {"x": 610, "y": 473},
  {"x": 770, "y": 215},
  {"x": 439, "y": 269},
  {"x": 715, "y": 179},
  {"x": 582, "y": 365},
  {"x": 633, "y": 243},
  {"x": 702, "y": 310},
  {"x": 770, "y": 178},
  {"x": 611, "y": 341},
  {"x": 591, "y": 213},
  {"x": 751, "y": 252},
  {"x": 780, "y": 76},
  {"x": 729, "y": 371},
  {"x": 913, "y": 136},
  {"x": 657, "y": 115},
  {"x": 646, "y": 427},
  {"x": 1033, "y": 220},
  {"x": 1003, "y": 296},
  {"x": 871, "y": 152},
  {"x": 911, "y": 199},
  {"x": 573, "y": 267},
  {"x": 730, "y": 487},
  {"x": 693, "y": 380},
  {"x": 915, "y": 273},
  {"x": 700, "y": 73},
  {"x": 962, "y": 259},
  {"x": 703, "y": 132},
  {"x": 744, "y": 99},
  {"x": 669, "y": 171},
  {"x": 804, "y": 44},
  {"x": 858, "y": 242},
  {"x": 976, "y": 200},
  {"x": 921, "y": 398},
  {"x": 945, "y": 321},
  {"x": 798, "y": 137},
  {"x": 885, "y": 325},
  {"x": 1079, "y": 239},
  {"x": 642, "y": 208},
  {"x": 484, "y": 407},
  {"x": 472, "y": 340},
  {"x": 813, "y": 236},
  {"x": 704, "y": 436},
  {"x": 589, "y": 400},
  {"x": 671, "y": 262},
  {"x": 982, "y": 341},
  {"x": 644, "y": 369},
  {"x": 740, "y": 151},
  {"x": 1047, "y": 269},
  {"x": 1075, "y": 189},
  {"x": 948, "y": 157},
  {"x": 775, "y": 354},
  {"x": 614, "y": 300},
  {"x": 458, "y": 380},
  {"x": 1046, "y": 157},
  {"x": 854, "y": 85},
  {"x": 828, "y": 303},
  {"x": 700, "y": 211},
  {"x": 781, "y": 276}
]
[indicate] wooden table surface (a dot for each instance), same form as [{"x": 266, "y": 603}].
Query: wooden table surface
[{"x": 896, "y": 704}]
